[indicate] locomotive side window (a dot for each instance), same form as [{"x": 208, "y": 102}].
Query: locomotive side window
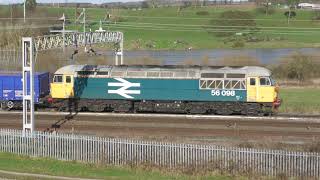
[
  {"x": 203, "y": 84},
  {"x": 57, "y": 79},
  {"x": 222, "y": 84},
  {"x": 219, "y": 84},
  {"x": 85, "y": 73},
  {"x": 212, "y": 75},
  {"x": 252, "y": 81},
  {"x": 222, "y": 81},
  {"x": 264, "y": 81},
  {"x": 236, "y": 75},
  {"x": 103, "y": 73},
  {"x": 68, "y": 79}
]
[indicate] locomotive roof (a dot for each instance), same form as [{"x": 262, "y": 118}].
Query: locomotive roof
[{"x": 196, "y": 70}]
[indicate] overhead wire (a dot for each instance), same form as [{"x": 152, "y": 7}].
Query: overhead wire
[
  {"x": 146, "y": 28},
  {"x": 28, "y": 27},
  {"x": 214, "y": 26},
  {"x": 29, "y": 18},
  {"x": 225, "y": 19}
]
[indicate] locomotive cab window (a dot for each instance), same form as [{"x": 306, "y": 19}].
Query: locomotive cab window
[
  {"x": 265, "y": 81},
  {"x": 252, "y": 81},
  {"x": 57, "y": 79},
  {"x": 68, "y": 79},
  {"x": 273, "y": 82}
]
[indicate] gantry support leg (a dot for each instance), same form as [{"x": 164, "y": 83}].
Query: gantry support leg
[
  {"x": 119, "y": 53},
  {"x": 28, "y": 84}
]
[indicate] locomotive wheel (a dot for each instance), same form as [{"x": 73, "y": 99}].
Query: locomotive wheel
[
  {"x": 7, "y": 105},
  {"x": 224, "y": 109},
  {"x": 62, "y": 109},
  {"x": 254, "y": 110},
  {"x": 2, "y": 104},
  {"x": 10, "y": 104}
]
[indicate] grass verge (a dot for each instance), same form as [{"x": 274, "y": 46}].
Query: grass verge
[
  {"x": 300, "y": 100},
  {"x": 11, "y": 162}
]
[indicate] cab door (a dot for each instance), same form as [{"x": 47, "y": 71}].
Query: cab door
[
  {"x": 68, "y": 86},
  {"x": 252, "y": 92},
  {"x": 57, "y": 87},
  {"x": 62, "y": 86},
  {"x": 266, "y": 90}
]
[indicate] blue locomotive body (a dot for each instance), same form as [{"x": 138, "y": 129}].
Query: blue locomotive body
[{"x": 151, "y": 89}]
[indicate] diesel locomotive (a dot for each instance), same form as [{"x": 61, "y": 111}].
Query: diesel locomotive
[{"x": 247, "y": 90}]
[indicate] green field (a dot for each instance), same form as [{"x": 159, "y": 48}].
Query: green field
[
  {"x": 10, "y": 162},
  {"x": 300, "y": 100},
  {"x": 169, "y": 28},
  {"x": 163, "y": 26}
]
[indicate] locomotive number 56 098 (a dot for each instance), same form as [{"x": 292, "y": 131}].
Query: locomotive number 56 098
[{"x": 223, "y": 93}]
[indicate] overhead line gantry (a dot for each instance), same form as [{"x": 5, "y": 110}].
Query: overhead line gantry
[{"x": 30, "y": 47}]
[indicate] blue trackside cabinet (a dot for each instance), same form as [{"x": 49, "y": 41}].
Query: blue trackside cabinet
[{"x": 11, "y": 88}]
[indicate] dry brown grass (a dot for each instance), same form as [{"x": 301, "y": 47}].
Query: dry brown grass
[
  {"x": 12, "y": 27},
  {"x": 310, "y": 146},
  {"x": 11, "y": 35},
  {"x": 300, "y": 67},
  {"x": 51, "y": 60}
]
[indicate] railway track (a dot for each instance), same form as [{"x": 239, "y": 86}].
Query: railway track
[
  {"x": 280, "y": 116},
  {"x": 172, "y": 126}
]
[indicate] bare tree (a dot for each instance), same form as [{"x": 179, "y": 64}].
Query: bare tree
[
  {"x": 291, "y": 4},
  {"x": 266, "y": 5},
  {"x": 31, "y": 5},
  {"x": 153, "y": 3}
]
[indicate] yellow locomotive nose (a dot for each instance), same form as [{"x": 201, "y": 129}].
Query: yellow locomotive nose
[
  {"x": 277, "y": 101},
  {"x": 277, "y": 88}
]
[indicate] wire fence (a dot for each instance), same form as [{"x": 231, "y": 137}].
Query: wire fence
[
  {"x": 10, "y": 59},
  {"x": 110, "y": 151}
]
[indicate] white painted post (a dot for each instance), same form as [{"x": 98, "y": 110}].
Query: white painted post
[
  {"x": 63, "y": 31},
  {"x": 121, "y": 49},
  {"x": 119, "y": 52},
  {"x": 84, "y": 29},
  {"x": 28, "y": 96},
  {"x": 24, "y": 11}
]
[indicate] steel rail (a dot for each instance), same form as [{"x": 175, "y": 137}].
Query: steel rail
[{"x": 281, "y": 118}]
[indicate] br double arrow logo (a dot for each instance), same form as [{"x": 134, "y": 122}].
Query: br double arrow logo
[{"x": 124, "y": 86}]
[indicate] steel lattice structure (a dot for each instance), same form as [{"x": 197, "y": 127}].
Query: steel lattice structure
[{"x": 76, "y": 39}]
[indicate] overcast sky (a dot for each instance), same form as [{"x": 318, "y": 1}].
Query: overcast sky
[{"x": 62, "y": 1}]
